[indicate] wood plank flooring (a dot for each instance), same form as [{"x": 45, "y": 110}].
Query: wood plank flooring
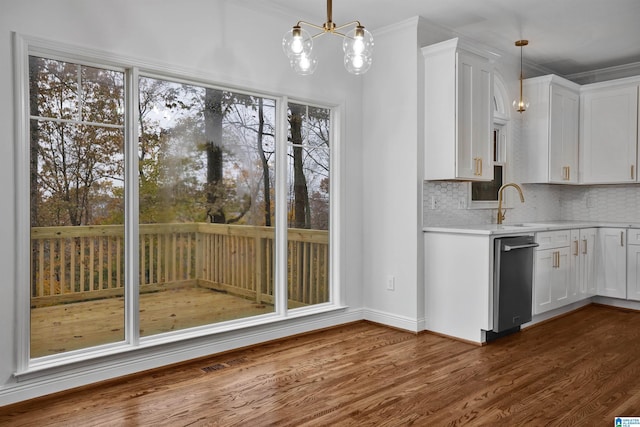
[{"x": 582, "y": 369}]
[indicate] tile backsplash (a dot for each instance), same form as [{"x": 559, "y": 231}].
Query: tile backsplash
[{"x": 444, "y": 203}]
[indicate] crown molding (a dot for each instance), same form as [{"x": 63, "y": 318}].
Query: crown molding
[{"x": 605, "y": 74}]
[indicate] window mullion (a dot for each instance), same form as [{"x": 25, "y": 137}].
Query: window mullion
[
  {"x": 281, "y": 297},
  {"x": 132, "y": 229}
]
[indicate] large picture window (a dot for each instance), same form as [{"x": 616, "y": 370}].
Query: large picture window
[{"x": 153, "y": 206}]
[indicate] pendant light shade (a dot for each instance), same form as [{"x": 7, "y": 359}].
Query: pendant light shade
[
  {"x": 521, "y": 104},
  {"x": 357, "y": 45}
]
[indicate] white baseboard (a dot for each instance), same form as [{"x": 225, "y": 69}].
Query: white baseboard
[
  {"x": 620, "y": 303},
  {"x": 394, "y": 320},
  {"x": 557, "y": 312}
]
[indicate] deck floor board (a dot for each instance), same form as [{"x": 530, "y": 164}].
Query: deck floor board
[{"x": 65, "y": 327}]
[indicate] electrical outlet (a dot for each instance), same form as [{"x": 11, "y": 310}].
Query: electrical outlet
[
  {"x": 391, "y": 283},
  {"x": 462, "y": 204},
  {"x": 434, "y": 202}
]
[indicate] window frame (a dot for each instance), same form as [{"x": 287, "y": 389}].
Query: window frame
[{"x": 25, "y": 46}]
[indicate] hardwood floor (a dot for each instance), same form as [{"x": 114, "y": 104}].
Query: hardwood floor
[{"x": 582, "y": 369}]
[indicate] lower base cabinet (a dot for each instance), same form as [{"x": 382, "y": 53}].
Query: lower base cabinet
[
  {"x": 633, "y": 264},
  {"x": 551, "y": 279},
  {"x": 565, "y": 268},
  {"x": 583, "y": 247},
  {"x": 612, "y": 262},
  {"x": 552, "y": 276}
]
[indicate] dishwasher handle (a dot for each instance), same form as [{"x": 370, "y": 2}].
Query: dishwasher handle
[{"x": 507, "y": 248}]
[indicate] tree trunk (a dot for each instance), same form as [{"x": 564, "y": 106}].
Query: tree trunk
[
  {"x": 265, "y": 165},
  {"x": 301, "y": 214},
  {"x": 213, "y": 116}
]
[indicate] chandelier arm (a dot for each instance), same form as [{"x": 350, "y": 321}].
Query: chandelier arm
[
  {"x": 309, "y": 24},
  {"x": 336, "y": 33},
  {"x": 357, "y": 23}
]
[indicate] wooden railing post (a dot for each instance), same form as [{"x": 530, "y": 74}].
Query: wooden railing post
[
  {"x": 199, "y": 255},
  {"x": 258, "y": 263}
]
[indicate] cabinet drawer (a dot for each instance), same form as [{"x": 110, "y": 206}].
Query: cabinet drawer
[
  {"x": 553, "y": 239},
  {"x": 633, "y": 236}
]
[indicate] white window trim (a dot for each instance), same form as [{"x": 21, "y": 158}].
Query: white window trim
[{"x": 24, "y": 46}]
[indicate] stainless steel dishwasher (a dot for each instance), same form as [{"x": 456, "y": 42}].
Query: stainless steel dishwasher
[{"x": 512, "y": 284}]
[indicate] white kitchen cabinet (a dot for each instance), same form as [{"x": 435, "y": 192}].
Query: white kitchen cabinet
[
  {"x": 550, "y": 130},
  {"x": 612, "y": 262},
  {"x": 583, "y": 263},
  {"x": 458, "y": 84},
  {"x": 552, "y": 277},
  {"x": 633, "y": 264},
  {"x": 609, "y": 134}
]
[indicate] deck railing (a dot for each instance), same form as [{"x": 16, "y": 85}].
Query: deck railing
[{"x": 87, "y": 262}]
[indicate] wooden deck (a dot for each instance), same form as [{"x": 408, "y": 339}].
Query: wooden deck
[
  {"x": 66, "y": 327},
  {"x": 578, "y": 370}
]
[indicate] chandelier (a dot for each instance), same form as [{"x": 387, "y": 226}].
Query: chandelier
[{"x": 357, "y": 45}]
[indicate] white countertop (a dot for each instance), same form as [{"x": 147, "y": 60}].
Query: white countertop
[{"x": 525, "y": 227}]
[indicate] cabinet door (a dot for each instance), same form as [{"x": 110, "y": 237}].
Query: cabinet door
[
  {"x": 633, "y": 272},
  {"x": 609, "y": 135},
  {"x": 575, "y": 266},
  {"x": 475, "y": 116},
  {"x": 612, "y": 255},
  {"x": 587, "y": 250},
  {"x": 542, "y": 301},
  {"x": 552, "y": 279},
  {"x": 563, "y": 135}
]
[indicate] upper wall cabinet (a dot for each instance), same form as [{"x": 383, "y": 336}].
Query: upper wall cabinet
[
  {"x": 458, "y": 112},
  {"x": 609, "y": 134},
  {"x": 550, "y": 130}
]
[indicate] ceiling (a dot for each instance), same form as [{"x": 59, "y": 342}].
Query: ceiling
[{"x": 565, "y": 36}]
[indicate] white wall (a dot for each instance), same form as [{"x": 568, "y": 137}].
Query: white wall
[
  {"x": 391, "y": 168},
  {"x": 234, "y": 42}
]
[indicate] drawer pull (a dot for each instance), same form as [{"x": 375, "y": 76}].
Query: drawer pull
[{"x": 584, "y": 246}]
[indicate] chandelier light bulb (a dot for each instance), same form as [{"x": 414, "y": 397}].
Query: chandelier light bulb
[
  {"x": 304, "y": 64},
  {"x": 357, "y": 64},
  {"x": 358, "y": 41},
  {"x": 521, "y": 105},
  {"x": 297, "y": 42}
]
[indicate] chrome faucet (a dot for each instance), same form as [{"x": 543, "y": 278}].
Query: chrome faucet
[{"x": 511, "y": 184}]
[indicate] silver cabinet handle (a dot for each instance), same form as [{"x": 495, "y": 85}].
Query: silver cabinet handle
[{"x": 508, "y": 248}]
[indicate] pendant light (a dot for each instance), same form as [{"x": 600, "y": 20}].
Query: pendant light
[
  {"x": 521, "y": 104},
  {"x": 357, "y": 45}
]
